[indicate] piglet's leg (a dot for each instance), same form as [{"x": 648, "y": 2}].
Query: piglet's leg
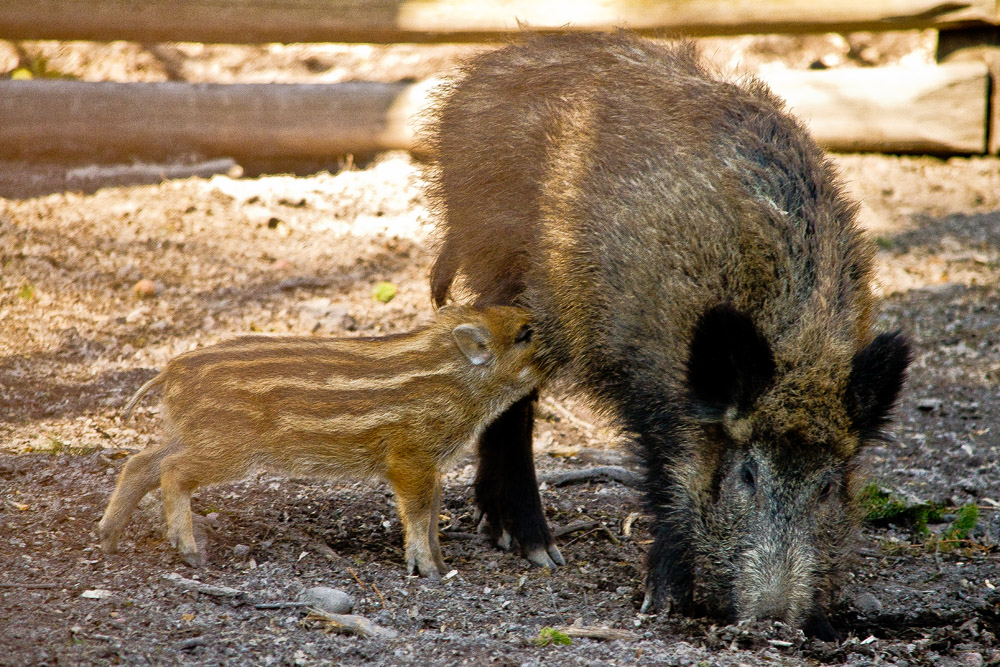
[
  {"x": 178, "y": 481},
  {"x": 139, "y": 476},
  {"x": 414, "y": 481},
  {"x": 432, "y": 533}
]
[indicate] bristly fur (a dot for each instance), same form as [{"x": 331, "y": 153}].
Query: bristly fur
[
  {"x": 652, "y": 213},
  {"x": 396, "y": 408}
]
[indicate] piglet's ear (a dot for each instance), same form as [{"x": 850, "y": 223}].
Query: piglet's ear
[
  {"x": 730, "y": 362},
  {"x": 877, "y": 374},
  {"x": 474, "y": 342}
]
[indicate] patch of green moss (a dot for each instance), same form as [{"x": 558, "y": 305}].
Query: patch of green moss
[
  {"x": 881, "y": 508},
  {"x": 965, "y": 522},
  {"x": 547, "y": 636}
]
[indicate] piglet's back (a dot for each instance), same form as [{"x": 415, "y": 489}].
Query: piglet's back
[{"x": 318, "y": 406}]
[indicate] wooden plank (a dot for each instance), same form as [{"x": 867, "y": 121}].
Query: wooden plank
[
  {"x": 256, "y": 21},
  {"x": 936, "y": 109},
  {"x": 46, "y": 117}
]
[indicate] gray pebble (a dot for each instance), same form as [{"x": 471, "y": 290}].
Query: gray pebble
[
  {"x": 929, "y": 404},
  {"x": 241, "y": 550},
  {"x": 973, "y": 659},
  {"x": 328, "y": 599},
  {"x": 868, "y": 604}
]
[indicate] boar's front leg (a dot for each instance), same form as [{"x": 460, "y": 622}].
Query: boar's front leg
[
  {"x": 669, "y": 575},
  {"x": 669, "y": 569},
  {"x": 506, "y": 487}
]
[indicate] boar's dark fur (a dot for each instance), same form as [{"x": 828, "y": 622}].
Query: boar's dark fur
[{"x": 693, "y": 262}]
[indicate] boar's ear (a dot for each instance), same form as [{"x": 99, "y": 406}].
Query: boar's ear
[
  {"x": 730, "y": 362},
  {"x": 877, "y": 374},
  {"x": 474, "y": 342}
]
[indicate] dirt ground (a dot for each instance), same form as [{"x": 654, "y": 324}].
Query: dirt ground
[{"x": 302, "y": 254}]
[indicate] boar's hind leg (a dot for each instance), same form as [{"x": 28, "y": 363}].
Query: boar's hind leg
[
  {"x": 139, "y": 476},
  {"x": 506, "y": 488}
]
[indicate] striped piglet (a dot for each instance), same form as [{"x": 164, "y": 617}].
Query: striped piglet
[{"x": 395, "y": 408}]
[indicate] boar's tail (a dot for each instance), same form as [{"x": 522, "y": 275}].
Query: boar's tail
[
  {"x": 443, "y": 272},
  {"x": 127, "y": 410}
]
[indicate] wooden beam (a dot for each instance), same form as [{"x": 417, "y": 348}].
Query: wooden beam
[
  {"x": 101, "y": 119},
  {"x": 936, "y": 109},
  {"x": 977, "y": 45},
  {"x": 257, "y": 21}
]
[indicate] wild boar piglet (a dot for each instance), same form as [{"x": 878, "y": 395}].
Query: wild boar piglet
[{"x": 396, "y": 408}]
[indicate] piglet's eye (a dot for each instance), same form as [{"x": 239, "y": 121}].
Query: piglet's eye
[
  {"x": 524, "y": 335},
  {"x": 748, "y": 475}
]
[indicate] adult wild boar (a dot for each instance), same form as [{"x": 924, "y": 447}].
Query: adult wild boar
[{"x": 691, "y": 261}]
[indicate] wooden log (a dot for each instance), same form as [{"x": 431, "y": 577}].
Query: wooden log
[
  {"x": 937, "y": 109},
  {"x": 99, "y": 119},
  {"x": 894, "y": 109},
  {"x": 256, "y": 21},
  {"x": 977, "y": 45}
]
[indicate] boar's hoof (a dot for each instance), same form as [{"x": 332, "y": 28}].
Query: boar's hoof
[
  {"x": 545, "y": 557},
  {"x": 653, "y": 603},
  {"x": 818, "y": 626},
  {"x": 505, "y": 541}
]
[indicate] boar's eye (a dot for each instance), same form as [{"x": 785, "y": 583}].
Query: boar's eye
[
  {"x": 748, "y": 475},
  {"x": 826, "y": 490},
  {"x": 524, "y": 335}
]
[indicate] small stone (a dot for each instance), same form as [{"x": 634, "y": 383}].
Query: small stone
[
  {"x": 973, "y": 659},
  {"x": 241, "y": 550},
  {"x": 144, "y": 288},
  {"x": 328, "y": 599},
  {"x": 96, "y": 594},
  {"x": 868, "y": 604},
  {"x": 929, "y": 404}
]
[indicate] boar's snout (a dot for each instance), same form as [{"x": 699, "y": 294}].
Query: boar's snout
[{"x": 776, "y": 582}]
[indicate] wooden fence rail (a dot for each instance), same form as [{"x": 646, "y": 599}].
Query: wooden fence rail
[
  {"x": 104, "y": 119},
  {"x": 924, "y": 109},
  {"x": 383, "y": 21}
]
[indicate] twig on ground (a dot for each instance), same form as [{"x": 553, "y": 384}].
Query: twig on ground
[
  {"x": 379, "y": 594},
  {"x": 574, "y": 527},
  {"x": 356, "y": 578},
  {"x": 583, "y": 535},
  {"x": 595, "y": 632},
  {"x": 611, "y": 535},
  {"x": 281, "y": 605},
  {"x": 350, "y": 624},
  {"x": 191, "y": 643},
  {"x": 201, "y": 587},
  {"x": 627, "y": 524},
  {"x": 597, "y": 474},
  {"x": 589, "y": 526}
]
